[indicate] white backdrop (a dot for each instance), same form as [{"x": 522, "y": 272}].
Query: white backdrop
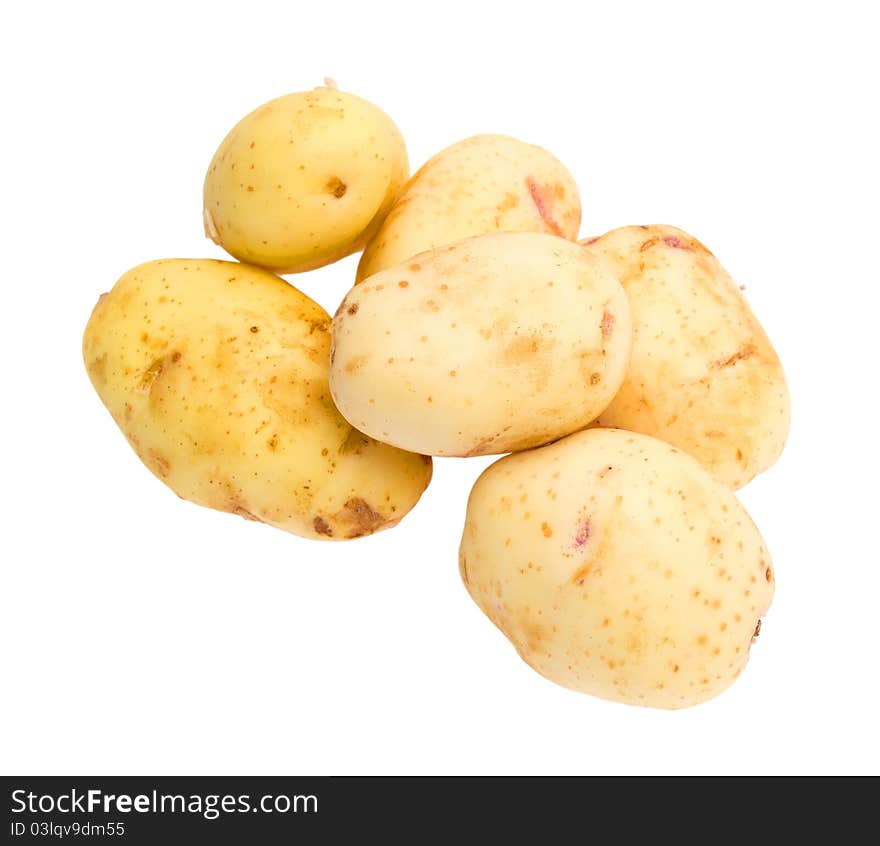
[{"x": 143, "y": 634}]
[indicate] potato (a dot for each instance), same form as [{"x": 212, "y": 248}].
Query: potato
[
  {"x": 216, "y": 373},
  {"x": 703, "y": 374},
  {"x": 491, "y": 344},
  {"x": 488, "y": 183},
  {"x": 304, "y": 180},
  {"x": 617, "y": 566}
]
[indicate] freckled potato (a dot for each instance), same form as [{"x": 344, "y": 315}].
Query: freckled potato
[
  {"x": 618, "y": 567},
  {"x": 304, "y": 180},
  {"x": 491, "y": 344},
  {"x": 703, "y": 374},
  {"x": 216, "y": 373},
  {"x": 487, "y": 183}
]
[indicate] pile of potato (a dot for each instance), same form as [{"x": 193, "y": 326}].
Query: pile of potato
[{"x": 626, "y": 374}]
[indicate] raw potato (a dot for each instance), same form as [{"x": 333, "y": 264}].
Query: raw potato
[
  {"x": 703, "y": 374},
  {"x": 217, "y": 374},
  {"x": 488, "y": 183},
  {"x": 304, "y": 180},
  {"x": 495, "y": 343},
  {"x": 618, "y": 567}
]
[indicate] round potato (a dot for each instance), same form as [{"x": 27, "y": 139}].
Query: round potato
[
  {"x": 703, "y": 374},
  {"x": 495, "y": 343},
  {"x": 304, "y": 180},
  {"x": 216, "y": 373},
  {"x": 617, "y": 566},
  {"x": 487, "y": 183}
]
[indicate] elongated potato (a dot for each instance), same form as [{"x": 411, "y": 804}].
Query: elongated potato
[
  {"x": 216, "y": 373},
  {"x": 703, "y": 374},
  {"x": 490, "y": 344},
  {"x": 619, "y": 567},
  {"x": 304, "y": 180},
  {"x": 487, "y": 183}
]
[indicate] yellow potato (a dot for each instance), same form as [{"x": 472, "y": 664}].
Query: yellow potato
[
  {"x": 304, "y": 180},
  {"x": 491, "y": 344},
  {"x": 488, "y": 183},
  {"x": 618, "y": 567},
  {"x": 216, "y": 373},
  {"x": 703, "y": 374}
]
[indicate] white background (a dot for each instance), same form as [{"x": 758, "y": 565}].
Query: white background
[{"x": 143, "y": 634}]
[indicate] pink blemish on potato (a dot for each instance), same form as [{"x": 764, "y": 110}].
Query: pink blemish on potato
[
  {"x": 583, "y": 534},
  {"x": 673, "y": 241},
  {"x": 540, "y": 197},
  {"x": 587, "y": 241},
  {"x": 607, "y": 324}
]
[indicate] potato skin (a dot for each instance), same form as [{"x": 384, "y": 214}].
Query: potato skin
[
  {"x": 304, "y": 180},
  {"x": 216, "y": 372},
  {"x": 487, "y": 183},
  {"x": 494, "y": 343},
  {"x": 703, "y": 374},
  {"x": 617, "y": 567}
]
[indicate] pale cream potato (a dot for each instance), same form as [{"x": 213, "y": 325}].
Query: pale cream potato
[
  {"x": 494, "y": 343},
  {"x": 617, "y": 566},
  {"x": 703, "y": 375},
  {"x": 487, "y": 183}
]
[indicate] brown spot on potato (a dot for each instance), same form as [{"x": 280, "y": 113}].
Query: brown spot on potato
[
  {"x": 353, "y": 308},
  {"x": 403, "y": 283},
  {"x": 354, "y": 363},
  {"x": 322, "y": 527},
  {"x": 768, "y": 574},
  {"x": 319, "y": 325},
  {"x": 150, "y": 375},
  {"x": 98, "y": 369},
  {"x": 272, "y": 443},
  {"x": 595, "y": 378},
  {"x": 534, "y": 633},
  {"x": 546, "y": 530},
  {"x": 481, "y": 447},
  {"x": 746, "y": 352},
  {"x": 336, "y": 187},
  {"x": 522, "y": 348},
  {"x": 243, "y": 512},
  {"x": 646, "y": 245},
  {"x": 510, "y": 201},
  {"x": 159, "y": 463},
  {"x": 757, "y": 630},
  {"x": 361, "y": 517},
  {"x": 579, "y": 576}
]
